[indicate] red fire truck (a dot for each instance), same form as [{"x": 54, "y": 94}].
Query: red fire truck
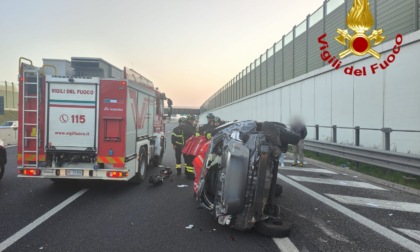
[{"x": 87, "y": 119}]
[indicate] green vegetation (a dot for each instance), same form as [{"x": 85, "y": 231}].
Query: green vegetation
[
  {"x": 9, "y": 115},
  {"x": 374, "y": 171}
]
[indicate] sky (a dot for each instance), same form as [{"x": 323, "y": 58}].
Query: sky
[{"x": 188, "y": 48}]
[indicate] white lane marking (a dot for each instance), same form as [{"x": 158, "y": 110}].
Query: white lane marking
[
  {"x": 336, "y": 182},
  {"x": 415, "y": 234},
  {"x": 376, "y": 203},
  {"x": 285, "y": 245},
  {"x": 14, "y": 238},
  {"x": 389, "y": 234},
  {"x": 317, "y": 170}
]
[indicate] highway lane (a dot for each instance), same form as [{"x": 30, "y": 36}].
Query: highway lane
[
  {"x": 124, "y": 217},
  {"x": 24, "y": 200},
  {"x": 119, "y": 217},
  {"x": 347, "y": 211}
]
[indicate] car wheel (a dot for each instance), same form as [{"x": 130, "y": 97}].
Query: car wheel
[
  {"x": 139, "y": 177},
  {"x": 1, "y": 170},
  {"x": 273, "y": 228}
]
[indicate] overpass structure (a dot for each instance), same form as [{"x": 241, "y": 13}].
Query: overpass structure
[
  {"x": 183, "y": 111},
  {"x": 355, "y": 100}
]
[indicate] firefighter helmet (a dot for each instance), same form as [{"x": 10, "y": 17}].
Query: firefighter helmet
[
  {"x": 210, "y": 116},
  {"x": 190, "y": 117},
  {"x": 182, "y": 120}
]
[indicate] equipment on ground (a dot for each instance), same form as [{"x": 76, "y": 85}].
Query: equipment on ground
[
  {"x": 237, "y": 176},
  {"x": 164, "y": 174}
]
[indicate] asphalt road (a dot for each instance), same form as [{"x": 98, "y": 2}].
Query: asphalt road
[{"x": 122, "y": 217}]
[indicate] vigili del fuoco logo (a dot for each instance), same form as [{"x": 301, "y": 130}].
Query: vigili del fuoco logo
[{"x": 360, "y": 21}]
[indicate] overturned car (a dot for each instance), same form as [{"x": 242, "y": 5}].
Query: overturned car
[{"x": 237, "y": 180}]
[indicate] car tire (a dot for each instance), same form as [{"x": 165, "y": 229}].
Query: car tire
[
  {"x": 273, "y": 228},
  {"x": 1, "y": 170},
  {"x": 142, "y": 165}
]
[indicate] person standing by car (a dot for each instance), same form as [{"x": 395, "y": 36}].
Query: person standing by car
[
  {"x": 209, "y": 133},
  {"x": 299, "y": 128},
  {"x": 283, "y": 155},
  {"x": 190, "y": 120},
  {"x": 178, "y": 141},
  {"x": 208, "y": 126},
  {"x": 3, "y": 158},
  {"x": 189, "y": 131}
]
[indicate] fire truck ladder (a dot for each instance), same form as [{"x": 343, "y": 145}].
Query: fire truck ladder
[{"x": 30, "y": 96}]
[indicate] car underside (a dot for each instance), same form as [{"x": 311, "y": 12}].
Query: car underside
[{"x": 238, "y": 179}]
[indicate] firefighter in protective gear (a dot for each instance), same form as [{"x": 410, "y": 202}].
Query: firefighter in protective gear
[
  {"x": 178, "y": 142},
  {"x": 203, "y": 130},
  {"x": 188, "y": 132},
  {"x": 190, "y": 119},
  {"x": 210, "y": 132},
  {"x": 179, "y": 135},
  {"x": 217, "y": 122}
]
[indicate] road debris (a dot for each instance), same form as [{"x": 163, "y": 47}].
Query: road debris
[{"x": 189, "y": 226}]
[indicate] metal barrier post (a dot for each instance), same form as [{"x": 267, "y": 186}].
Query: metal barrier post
[
  {"x": 357, "y": 135},
  {"x": 5, "y": 95},
  {"x": 334, "y": 127},
  {"x": 317, "y": 132},
  {"x": 387, "y": 135},
  {"x": 13, "y": 95}
]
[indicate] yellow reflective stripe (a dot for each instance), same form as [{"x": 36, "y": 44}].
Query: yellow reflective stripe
[
  {"x": 189, "y": 168},
  {"x": 178, "y": 166},
  {"x": 179, "y": 143},
  {"x": 177, "y": 135}
]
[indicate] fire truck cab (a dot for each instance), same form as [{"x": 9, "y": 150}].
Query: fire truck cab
[{"x": 87, "y": 119}]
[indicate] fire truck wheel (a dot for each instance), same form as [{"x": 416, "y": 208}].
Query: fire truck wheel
[
  {"x": 142, "y": 166},
  {"x": 1, "y": 170}
]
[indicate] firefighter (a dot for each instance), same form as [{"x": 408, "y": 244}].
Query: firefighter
[
  {"x": 190, "y": 125},
  {"x": 178, "y": 142},
  {"x": 179, "y": 135},
  {"x": 189, "y": 131},
  {"x": 190, "y": 119},
  {"x": 203, "y": 130},
  {"x": 211, "y": 131},
  {"x": 217, "y": 122}
]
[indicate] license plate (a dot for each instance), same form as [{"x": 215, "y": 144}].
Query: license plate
[{"x": 74, "y": 172}]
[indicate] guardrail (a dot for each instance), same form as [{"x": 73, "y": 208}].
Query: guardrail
[
  {"x": 10, "y": 91},
  {"x": 386, "y": 132},
  {"x": 387, "y": 159}
]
